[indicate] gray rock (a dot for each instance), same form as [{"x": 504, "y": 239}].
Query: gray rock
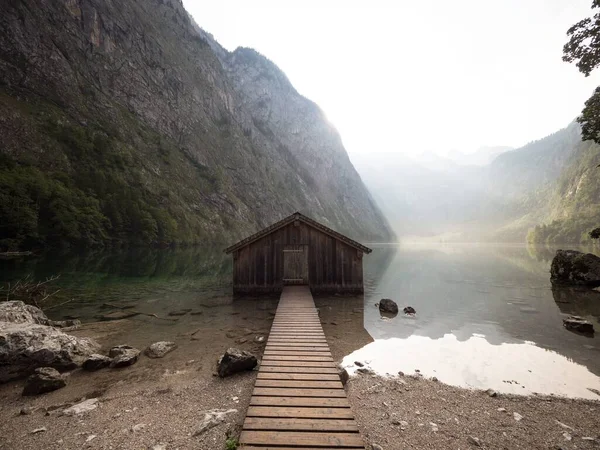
[
  {"x": 344, "y": 376},
  {"x": 388, "y": 305},
  {"x": 82, "y": 407},
  {"x": 572, "y": 267},
  {"x": 26, "y": 410},
  {"x": 39, "y": 430},
  {"x": 474, "y": 441},
  {"x": 212, "y": 418},
  {"x": 44, "y": 379},
  {"x": 26, "y": 345},
  {"x": 358, "y": 363},
  {"x": 409, "y": 310},
  {"x": 491, "y": 393},
  {"x": 96, "y": 362},
  {"x": 376, "y": 447},
  {"x": 578, "y": 324},
  {"x": 235, "y": 360},
  {"x": 19, "y": 312},
  {"x": 160, "y": 349},
  {"x": 518, "y": 417},
  {"x": 123, "y": 356}
]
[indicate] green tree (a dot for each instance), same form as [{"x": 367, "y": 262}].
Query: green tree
[{"x": 583, "y": 49}]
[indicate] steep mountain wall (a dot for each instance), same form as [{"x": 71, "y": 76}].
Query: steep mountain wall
[{"x": 122, "y": 122}]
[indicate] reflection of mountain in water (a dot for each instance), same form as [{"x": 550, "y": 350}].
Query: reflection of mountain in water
[
  {"x": 499, "y": 292},
  {"x": 143, "y": 276}
]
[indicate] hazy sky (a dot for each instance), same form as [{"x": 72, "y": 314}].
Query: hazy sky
[{"x": 408, "y": 77}]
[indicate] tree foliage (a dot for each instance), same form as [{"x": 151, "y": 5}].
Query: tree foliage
[{"x": 583, "y": 49}]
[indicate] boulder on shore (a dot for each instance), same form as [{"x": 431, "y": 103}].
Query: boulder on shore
[
  {"x": 96, "y": 362},
  {"x": 579, "y": 324},
  {"x": 27, "y": 344},
  {"x": 572, "y": 267},
  {"x": 44, "y": 379},
  {"x": 160, "y": 349},
  {"x": 235, "y": 360},
  {"x": 123, "y": 356},
  {"x": 388, "y": 305}
]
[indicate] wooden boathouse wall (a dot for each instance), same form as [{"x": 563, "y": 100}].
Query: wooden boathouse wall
[{"x": 299, "y": 253}]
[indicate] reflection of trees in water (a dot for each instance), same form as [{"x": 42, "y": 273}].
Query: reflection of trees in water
[
  {"x": 95, "y": 266},
  {"x": 546, "y": 253},
  {"x": 541, "y": 253}
]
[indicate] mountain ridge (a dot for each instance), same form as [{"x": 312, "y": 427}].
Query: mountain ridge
[{"x": 124, "y": 123}]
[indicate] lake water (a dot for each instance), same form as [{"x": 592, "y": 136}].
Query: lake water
[{"x": 487, "y": 316}]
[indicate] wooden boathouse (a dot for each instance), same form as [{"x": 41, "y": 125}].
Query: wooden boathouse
[{"x": 297, "y": 251}]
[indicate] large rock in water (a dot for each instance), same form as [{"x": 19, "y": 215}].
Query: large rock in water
[
  {"x": 579, "y": 324},
  {"x": 235, "y": 360},
  {"x": 389, "y": 306},
  {"x": 573, "y": 267},
  {"x": 26, "y": 344}
]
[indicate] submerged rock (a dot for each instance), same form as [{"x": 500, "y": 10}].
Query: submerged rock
[
  {"x": 573, "y": 267},
  {"x": 26, "y": 345},
  {"x": 44, "y": 379},
  {"x": 123, "y": 356},
  {"x": 579, "y": 324},
  {"x": 235, "y": 360},
  {"x": 409, "y": 310},
  {"x": 96, "y": 362},
  {"x": 388, "y": 305},
  {"x": 160, "y": 349}
]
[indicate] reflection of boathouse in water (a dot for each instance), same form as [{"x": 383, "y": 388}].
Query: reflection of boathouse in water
[{"x": 298, "y": 250}]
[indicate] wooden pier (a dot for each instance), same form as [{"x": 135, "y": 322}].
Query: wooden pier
[{"x": 298, "y": 400}]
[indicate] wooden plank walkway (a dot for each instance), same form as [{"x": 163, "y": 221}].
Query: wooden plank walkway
[{"x": 298, "y": 399}]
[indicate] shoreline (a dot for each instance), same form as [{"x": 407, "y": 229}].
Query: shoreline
[
  {"x": 416, "y": 413},
  {"x": 159, "y": 403}
]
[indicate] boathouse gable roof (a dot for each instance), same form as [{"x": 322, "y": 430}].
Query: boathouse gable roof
[{"x": 290, "y": 219}]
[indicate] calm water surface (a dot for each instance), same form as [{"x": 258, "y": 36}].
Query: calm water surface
[{"x": 487, "y": 316}]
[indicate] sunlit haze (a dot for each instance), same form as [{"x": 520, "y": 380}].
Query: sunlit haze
[{"x": 409, "y": 77}]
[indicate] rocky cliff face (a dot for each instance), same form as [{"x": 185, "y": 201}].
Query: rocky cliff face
[{"x": 142, "y": 128}]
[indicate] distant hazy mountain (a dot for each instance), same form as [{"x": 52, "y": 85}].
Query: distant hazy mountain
[
  {"x": 481, "y": 157},
  {"x": 552, "y": 181}
]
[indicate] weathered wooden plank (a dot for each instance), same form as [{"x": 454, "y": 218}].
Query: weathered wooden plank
[
  {"x": 297, "y": 392},
  {"x": 296, "y": 348},
  {"x": 295, "y": 353},
  {"x": 296, "y": 369},
  {"x": 306, "y": 412},
  {"x": 319, "y": 439},
  {"x": 296, "y": 376},
  {"x": 299, "y": 384},
  {"x": 296, "y": 358},
  {"x": 305, "y": 364},
  {"x": 319, "y": 402},
  {"x": 297, "y": 424}
]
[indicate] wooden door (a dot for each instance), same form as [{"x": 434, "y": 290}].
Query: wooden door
[{"x": 295, "y": 264}]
